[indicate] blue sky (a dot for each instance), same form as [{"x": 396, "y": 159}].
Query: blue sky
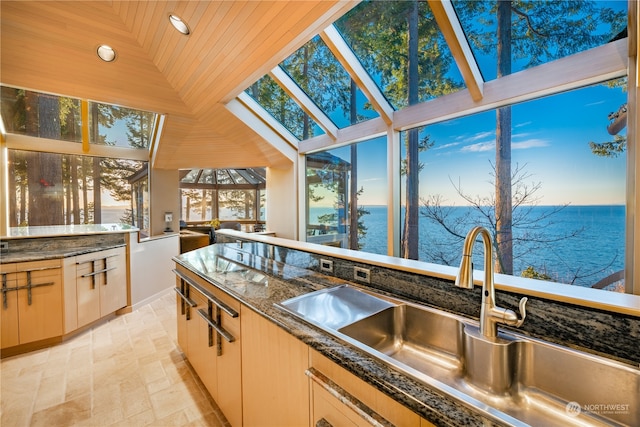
[{"x": 550, "y": 140}]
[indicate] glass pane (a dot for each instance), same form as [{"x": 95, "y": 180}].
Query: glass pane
[
  {"x": 222, "y": 176},
  {"x": 567, "y": 181},
  {"x": 196, "y": 205},
  {"x": 191, "y": 176},
  {"x": 120, "y": 126},
  {"x": 345, "y": 211},
  {"x": 540, "y": 31},
  {"x": 237, "y": 178},
  {"x": 41, "y": 115},
  {"x": 378, "y": 32},
  {"x": 237, "y": 204},
  {"x": 285, "y": 110},
  {"x": 317, "y": 71},
  {"x": 60, "y": 189},
  {"x": 206, "y": 177}
]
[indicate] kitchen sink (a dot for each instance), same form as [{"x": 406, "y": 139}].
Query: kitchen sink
[{"x": 513, "y": 379}]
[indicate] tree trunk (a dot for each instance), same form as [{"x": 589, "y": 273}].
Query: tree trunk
[
  {"x": 97, "y": 190},
  {"x": 85, "y": 191},
  {"x": 504, "y": 239},
  {"x": 75, "y": 189},
  {"x": 44, "y": 170},
  {"x": 410, "y": 232},
  {"x": 353, "y": 189},
  {"x": 13, "y": 214}
]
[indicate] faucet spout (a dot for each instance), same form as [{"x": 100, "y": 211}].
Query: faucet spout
[{"x": 490, "y": 313}]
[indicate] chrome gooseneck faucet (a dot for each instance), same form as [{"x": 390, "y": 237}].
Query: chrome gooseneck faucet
[{"x": 490, "y": 314}]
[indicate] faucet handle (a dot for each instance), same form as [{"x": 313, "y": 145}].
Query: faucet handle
[{"x": 523, "y": 312}]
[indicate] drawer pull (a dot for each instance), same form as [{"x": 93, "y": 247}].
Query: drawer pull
[
  {"x": 350, "y": 401},
  {"x": 28, "y": 287},
  {"x": 224, "y": 334},
  {"x": 230, "y": 311},
  {"x": 185, "y": 298}
]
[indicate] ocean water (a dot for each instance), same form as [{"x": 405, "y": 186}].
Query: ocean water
[{"x": 583, "y": 244}]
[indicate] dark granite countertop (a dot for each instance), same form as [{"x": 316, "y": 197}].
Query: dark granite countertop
[
  {"x": 26, "y": 256},
  {"x": 218, "y": 265}
]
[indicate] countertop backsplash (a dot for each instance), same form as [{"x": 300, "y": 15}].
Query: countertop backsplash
[{"x": 608, "y": 334}]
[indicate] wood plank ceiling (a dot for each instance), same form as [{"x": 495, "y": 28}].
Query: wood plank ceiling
[{"x": 50, "y": 46}]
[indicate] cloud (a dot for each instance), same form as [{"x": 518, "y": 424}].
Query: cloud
[
  {"x": 479, "y": 147},
  {"x": 591, "y": 104},
  {"x": 530, "y": 143},
  {"x": 479, "y": 135},
  {"x": 445, "y": 146},
  {"x": 519, "y": 125}
]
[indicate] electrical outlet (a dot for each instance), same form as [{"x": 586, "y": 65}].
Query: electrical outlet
[
  {"x": 326, "y": 265},
  {"x": 361, "y": 274}
]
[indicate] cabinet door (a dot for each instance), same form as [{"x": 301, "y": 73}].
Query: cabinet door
[
  {"x": 87, "y": 288},
  {"x": 9, "y": 316},
  {"x": 113, "y": 282},
  {"x": 229, "y": 375},
  {"x": 202, "y": 355},
  {"x": 40, "y": 314},
  {"x": 352, "y": 389},
  {"x": 183, "y": 312},
  {"x": 275, "y": 389}
]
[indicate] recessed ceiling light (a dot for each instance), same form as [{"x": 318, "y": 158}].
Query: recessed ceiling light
[
  {"x": 106, "y": 53},
  {"x": 179, "y": 24}
]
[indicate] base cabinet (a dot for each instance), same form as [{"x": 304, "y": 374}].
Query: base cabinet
[
  {"x": 101, "y": 285},
  {"x": 339, "y": 398},
  {"x": 209, "y": 335},
  {"x": 31, "y": 302},
  {"x": 275, "y": 390}
]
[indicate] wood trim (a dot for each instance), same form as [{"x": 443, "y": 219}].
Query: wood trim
[
  {"x": 352, "y": 65},
  {"x": 589, "y": 67},
  {"x": 31, "y": 143},
  {"x": 303, "y": 100},
  {"x": 266, "y": 117},
  {"x": 450, "y": 27}
]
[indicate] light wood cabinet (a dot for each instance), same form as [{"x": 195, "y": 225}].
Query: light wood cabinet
[
  {"x": 101, "y": 285},
  {"x": 31, "y": 302},
  {"x": 209, "y": 335},
  {"x": 275, "y": 389},
  {"x": 342, "y": 399}
]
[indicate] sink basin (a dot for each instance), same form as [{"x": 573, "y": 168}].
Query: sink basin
[{"x": 513, "y": 379}]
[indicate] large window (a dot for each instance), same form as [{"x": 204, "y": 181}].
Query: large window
[
  {"x": 57, "y": 117},
  {"x": 62, "y": 189},
  {"x": 566, "y": 177},
  {"x": 346, "y": 197},
  {"x": 223, "y": 194}
]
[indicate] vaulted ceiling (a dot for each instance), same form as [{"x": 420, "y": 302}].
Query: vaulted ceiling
[{"x": 50, "y": 46}]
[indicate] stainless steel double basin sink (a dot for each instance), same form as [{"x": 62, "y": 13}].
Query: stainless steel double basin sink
[{"x": 512, "y": 379}]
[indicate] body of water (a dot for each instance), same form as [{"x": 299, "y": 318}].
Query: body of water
[{"x": 576, "y": 244}]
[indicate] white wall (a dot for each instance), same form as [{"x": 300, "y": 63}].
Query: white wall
[
  {"x": 165, "y": 196},
  {"x": 151, "y": 267},
  {"x": 282, "y": 201}
]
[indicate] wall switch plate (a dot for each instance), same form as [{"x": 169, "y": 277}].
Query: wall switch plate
[
  {"x": 361, "y": 274},
  {"x": 326, "y": 265}
]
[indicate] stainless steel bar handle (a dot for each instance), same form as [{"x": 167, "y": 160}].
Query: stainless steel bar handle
[{"x": 219, "y": 329}]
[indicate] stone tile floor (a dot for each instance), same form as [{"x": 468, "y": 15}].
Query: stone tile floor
[{"x": 126, "y": 372}]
